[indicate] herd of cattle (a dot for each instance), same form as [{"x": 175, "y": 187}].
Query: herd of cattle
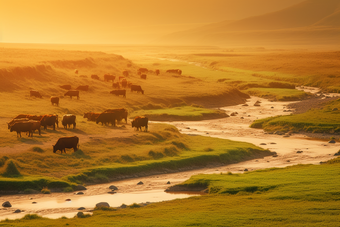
[{"x": 31, "y": 123}]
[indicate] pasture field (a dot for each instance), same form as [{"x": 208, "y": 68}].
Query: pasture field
[
  {"x": 303, "y": 195},
  {"x": 318, "y": 120}
]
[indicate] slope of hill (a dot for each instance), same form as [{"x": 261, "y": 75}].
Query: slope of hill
[{"x": 311, "y": 22}]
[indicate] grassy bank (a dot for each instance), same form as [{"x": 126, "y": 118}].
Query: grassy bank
[
  {"x": 320, "y": 120},
  {"x": 303, "y": 195}
]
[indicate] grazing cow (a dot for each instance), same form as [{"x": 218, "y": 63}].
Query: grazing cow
[
  {"x": 35, "y": 94},
  {"x": 119, "y": 92},
  {"x": 176, "y": 71},
  {"x": 108, "y": 77},
  {"x": 140, "y": 122},
  {"x": 49, "y": 120},
  {"x": 91, "y": 116},
  {"x": 66, "y": 142},
  {"x": 124, "y": 83},
  {"x": 121, "y": 113},
  {"x": 107, "y": 118},
  {"x": 23, "y": 127},
  {"x": 137, "y": 88},
  {"x": 116, "y": 85},
  {"x": 55, "y": 100},
  {"x": 95, "y": 77},
  {"x": 72, "y": 93},
  {"x": 157, "y": 72},
  {"x": 68, "y": 120},
  {"x": 142, "y": 70},
  {"x": 83, "y": 88},
  {"x": 66, "y": 87},
  {"x": 125, "y": 73},
  {"x": 143, "y": 76}
]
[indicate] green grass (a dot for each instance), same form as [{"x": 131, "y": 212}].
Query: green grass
[
  {"x": 185, "y": 113},
  {"x": 315, "y": 120},
  {"x": 302, "y": 195},
  {"x": 277, "y": 94}
]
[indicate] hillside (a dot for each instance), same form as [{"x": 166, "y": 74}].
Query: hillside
[{"x": 309, "y": 22}]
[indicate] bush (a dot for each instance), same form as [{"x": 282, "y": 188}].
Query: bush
[
  {"x": 135, "y": 205},
  {"x": 31, "y": 217},
  {"x": 68, "y": 189},
  {"x": 11, "y": 170},
  {"x": 38, "y": 149},
  {"x": 30, "y": 191}
]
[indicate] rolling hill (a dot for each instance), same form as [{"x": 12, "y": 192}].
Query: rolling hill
[{"x": 311, "y": 22}]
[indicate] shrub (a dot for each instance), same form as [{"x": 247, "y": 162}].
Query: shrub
[
  {"x": 11, "y": 170},
  {"x": 38, "y": 149},
  {"x": 31, "y": 217},
  {"x": 135, "y": 205},
  {"x": 30, "y": 191},
  {"x": 68, "y": 189}
]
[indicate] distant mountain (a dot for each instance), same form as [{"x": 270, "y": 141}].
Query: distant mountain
[{"x": 309, "y": 22}]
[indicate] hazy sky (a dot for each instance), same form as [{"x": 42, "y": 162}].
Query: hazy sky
[{"x": 118, "y": 21}]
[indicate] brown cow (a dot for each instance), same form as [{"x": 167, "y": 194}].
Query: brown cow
[
  {"x": 72, "y": 93},
  {"x": 107, "y": 118},
  {"x": 108, "y": 77},
  {"x": 91, "y": 116},
  {"x": 66, "y": 87},
  {"x": 125, "y": 73},
  {"x": 176, "y": 71},
  {"x": 143, "y": 76},
  {"x": 140, "y": 122},
  {"x": 121, "y": 113},
  {"x": 66, "y": 142},
  {"x": 124, "y": 83},
  {"x": 116, "y": 85},
  {"x": 95, "y": 77},
  {"x": 142, "y": 70},
  {"x": 55, "y": 100},
  {"x": 15, "y": 120},
  {"x": 35, "y": 94},
  {"x": 69, "y": 119},
  {"x": 83, "y": 88},
  {"x": 157, "y": 72},
  {"x": 23, "y": 127},
  {"x": 137, "y": 88},
  {"x": 119, "y": 92},
  {"x": 49, "y": 120}
]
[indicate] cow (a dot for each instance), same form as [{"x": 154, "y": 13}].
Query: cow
[
  {"x": 13, "y": 121},
  {"x": 142, "y": 70},
  {"x": 121, "y": 77},
  {"x": 157, "y": 72},
  {"x": 143, "y": 76},
  {"x": 68, "y": 120},
  {"x": 140, "y": 122},
  {"x": 176, "y": 71},
  {"x": 35, "y": 94},
  {"x": 95, "y": 77},
  {"x": 125, "y": 73},
  {"x": 116, "y": 85},
  {"x": 121, "y": 113},
  {"x": 55, "y": 100},
  {"x": 22, "y": 127},
  {"x": 49, "y": 120},
  {"x": 108, "y": 77},
  {"x": 72, "y": 93},
  {"x": 35, "y": 126},
  {"x": 107, "y": 118},
  {"x": 66, "y": 142},
  {"x": 83, "y": 88},
  {"x": 22, "y": 116},
  {"x": 137, "y": 88},
  {"x": 124, "y": 83},
  {"x": 76, "y": 71},
  {"x": 91, "y": 116},
  {"x": 66, "y": 87},
  {"x": 119, "y": 92}
]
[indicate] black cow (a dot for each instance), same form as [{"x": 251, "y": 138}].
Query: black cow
[
  {"x": 49, "y": 120},
  {"x": 107, "y": 118},
  {"x": 108, "y": 77},
  {"x": 140, "y": 122},
  {"x": 137, "y": 88},
  {"x": 72, "y": 93},
  {"x": 55, "y": 100},
  {"x": 66, "y": 142},
  {"x": 143, "y": 76},
  {"x": 66, "y": 87},
  {"x": 83, "y": 88},
  {"x": 119, "y": 92},
  {"x": 35, "y": 94},
  {"x": 68, "y": 120}
]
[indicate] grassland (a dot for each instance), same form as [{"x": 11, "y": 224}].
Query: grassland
[{"x": 303, "y": 195}]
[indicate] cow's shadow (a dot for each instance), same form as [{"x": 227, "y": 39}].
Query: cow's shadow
[
  {"x": 75, "y": 130},
  {"x": 30, "y": 140}
]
